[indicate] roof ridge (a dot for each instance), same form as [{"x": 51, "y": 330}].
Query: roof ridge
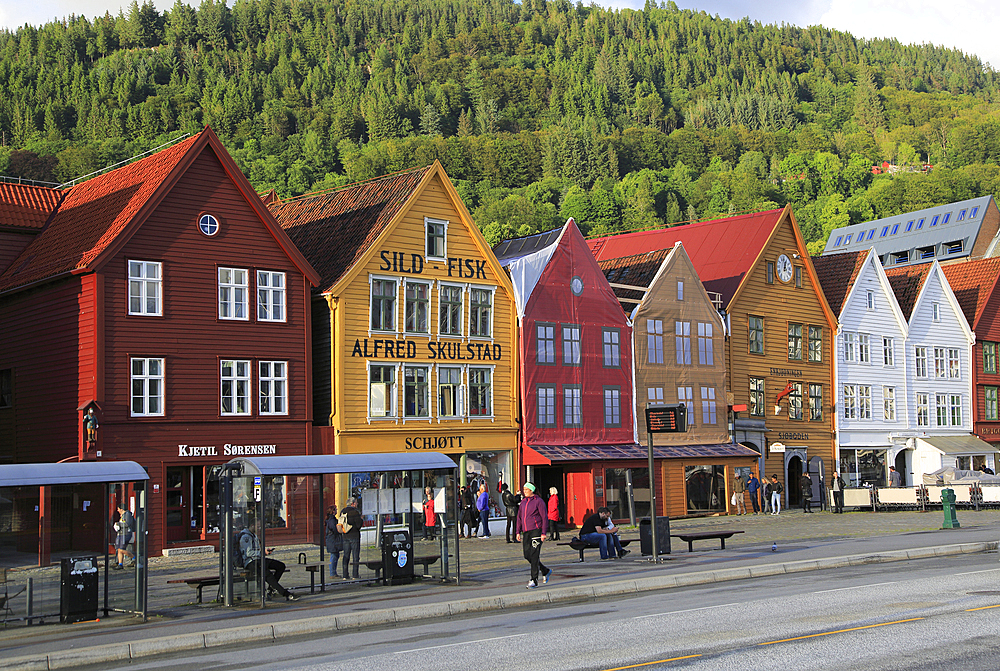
[
  {"x": 352, "y": 185},
  {"x": 683, "y": 224}
]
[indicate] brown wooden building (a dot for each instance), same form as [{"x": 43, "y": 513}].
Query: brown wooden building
[{"x": 164, "y": 295}]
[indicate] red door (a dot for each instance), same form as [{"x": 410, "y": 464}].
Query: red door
[{"x": 580, "y": 497}]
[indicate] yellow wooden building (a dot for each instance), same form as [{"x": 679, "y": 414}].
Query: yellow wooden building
[{"x": 413, "y": 325}]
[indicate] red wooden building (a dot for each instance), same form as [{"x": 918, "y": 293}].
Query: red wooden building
[
  {"x": 164, "y": 295},
  {"x": 576, "y": 368}
]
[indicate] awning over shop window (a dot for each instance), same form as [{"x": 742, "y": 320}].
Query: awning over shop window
[
  {"x": 959, "y": 444},
  {"x": 542, "y": 455}
]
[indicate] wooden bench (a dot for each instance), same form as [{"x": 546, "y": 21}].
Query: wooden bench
[
  {"x": 198, "y": 583},
  {"x": 425, "y": 560},
  {"x": 691, "y": 536},
  {"x": 577, "y": 544}
]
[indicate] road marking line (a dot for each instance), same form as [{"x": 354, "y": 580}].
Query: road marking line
[
  {"x": 659, "y": 661},
  {"x": 841, "y": 631},
  {"x": 689, "y": 610},
  {"x": 841, "y": 589},
  {"x": 988, "y": 570},
  {"x": 450, "y": 645},
  {"x": 969, "y": 610}
]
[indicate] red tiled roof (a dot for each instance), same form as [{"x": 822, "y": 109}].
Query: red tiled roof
[
  {"x": 90, "y": 217},
  {"x": 906, "y": 284},
  {"x": 334, "y": 229},
  {"x": 722, "y": 251},
  {"x": 837, "y": 273},
  {"x": 24, "y": 206},
  {"x": 973, "y": 282}
]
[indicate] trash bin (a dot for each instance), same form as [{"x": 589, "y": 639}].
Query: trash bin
[
  {"x": 397, "y": 557},
  {"x": 78, "y": 594},
  {"x": 662, "y": 536}
]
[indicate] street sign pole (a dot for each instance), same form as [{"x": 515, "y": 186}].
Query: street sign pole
[
  {"x": 652, "y": 497},
  {"x": 660, "y": 418}
]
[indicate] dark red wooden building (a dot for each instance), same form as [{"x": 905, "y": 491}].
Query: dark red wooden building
[{"x": 164, "y": 295}]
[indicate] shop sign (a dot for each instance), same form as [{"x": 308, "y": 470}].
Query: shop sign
[
  {"x": 793, "y": 435},
  {"x": 786, "y": 372},
  {"x": 382, "y": 348},
  {"x": 228, "y": 450},
  {"x": 413, "y": 264},
  {"x": 434, "y": 442},
  {"x": 777, "y": 447}
]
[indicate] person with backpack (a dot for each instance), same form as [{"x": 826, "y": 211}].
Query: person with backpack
[
  {"x": 249, "y": 553},
  {"x": 776, "y": 490},
  {"x": 125, "y": 537},
  {"x": 350, "y": 529},
  {"x": 510, "y": 502}
]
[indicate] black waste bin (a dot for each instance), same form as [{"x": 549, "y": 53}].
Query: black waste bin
[
  {"x": 78, "y": 596},
  {"x": 397, "y": 557},
  {"x": 662, "y": 536}
]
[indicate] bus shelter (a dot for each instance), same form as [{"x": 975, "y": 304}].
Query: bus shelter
[
  {"x": 390, "y": 490},
  {"x": 69, "y": 512}
]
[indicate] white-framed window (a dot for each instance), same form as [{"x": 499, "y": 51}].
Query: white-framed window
[
  {"x": 888, "y": 352},
  {"x": 270, "y": 296},
  {"x": 449, "y": 392},
  {"x": 682, "y": 342},
  {"x": 654, "y": 394},
  {"x": 864, "y": 401},
  {"x": 654, "y": 340},
  {"x": 235, "y": 386},
  {"x": 953, "y": 360},
  {"x": 382, "y": 390},
  {"x": 145, "y": 288},
  {"x": 147, "y": 376},
  {"x": 920, "y": 361},
  {"x": 208, "y": 225},
  {"x": 546, "y": 399},
  {"x": 708, "y": 405},
  {"x": 417, "y": 307},
  {"x": 437, "y": 238},
  {"x": 923, "y": 409},
  {"x": 416, "y": 392},
  {"x": 450, "y": 309},
  {"x": 685, "y": 395},
  {"x": 850, "y": 346},
  {"x": 936, "y": 312},
  {"x": 480, "y": 312},
  {"x": 612, "y": 349},
  {"x": 233, "y": 293},
  {"x": 572, "y": 405},
  {"x": 706, "y": 352},
  {"x": 273, "y": 387},
  {"x": 680, "y": 290},
  {"x": 545, "y": 343},
  {"x": 870, "y": 299},
  {"x": 864, "y": 348},
  {"x": 889, "y": 404},
  {"x": 383, "y": 303},
  {"x": 940, "y": 370},
  {"x": 612, "y": 406},
  {"x": 941, "y": 405},
  {"x": 850, "y": 402},
  {"x": 757, "y": 404},
  {"x": 480, "y": 392},
  {"x": 571, "y": 345},
  {"x": 955, "y": 406}
]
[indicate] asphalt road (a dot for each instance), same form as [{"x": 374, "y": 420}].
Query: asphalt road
[{"x": 927, "y": 614}]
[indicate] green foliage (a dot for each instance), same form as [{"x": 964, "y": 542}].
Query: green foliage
[{"x": 622, "y": 119}]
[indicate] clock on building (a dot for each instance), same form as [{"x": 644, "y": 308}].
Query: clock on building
[{"x": 784, "y": 268}]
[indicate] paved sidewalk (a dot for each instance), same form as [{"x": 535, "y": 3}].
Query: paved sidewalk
[{"x": 493, "y": 577}]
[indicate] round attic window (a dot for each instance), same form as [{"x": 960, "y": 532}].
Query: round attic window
[
  {"x": 208, "y": 224},
  {"x": 576, "y": 285}
]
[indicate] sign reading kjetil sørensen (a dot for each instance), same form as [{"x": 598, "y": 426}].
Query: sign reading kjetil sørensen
[{"x": 228, "y": 450}]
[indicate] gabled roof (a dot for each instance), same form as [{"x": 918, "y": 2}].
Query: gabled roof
[
  {"x": 837, "y": 274},
  {"x": 973, "y": 282},
  {"x": 516, "y": 248},
  {"x": 27, "y": 207},
  {"x": 907, "y": 282},
  {"x": 96, "y": 217},
  {"x": 638, "y": 270},
  {"x": 335, "y": 228},
  {"x": 723, "y": 251}
]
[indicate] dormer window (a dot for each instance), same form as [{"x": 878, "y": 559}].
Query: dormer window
[
  {"x": 953, "y": 247},
  {"x": 885, "y": 232},
  {"x": 920, "y": 224},
  {"x": 895, "y": 227},
  {"x": 900, "y": 257},
  {"x": 909, "y": 226},
  {"x": 847, "y": 240},
  {"x": 975, "y": 210},
  {"x": 871, "y": 234},
  {"x": 925, "y": 252}
]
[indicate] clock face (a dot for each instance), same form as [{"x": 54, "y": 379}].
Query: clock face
[
  {"x": 577, "y": 286},
  {"x": 784, "y": 268}
]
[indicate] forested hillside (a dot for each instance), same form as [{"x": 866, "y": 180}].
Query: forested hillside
[{"x": 538, "y": 110}]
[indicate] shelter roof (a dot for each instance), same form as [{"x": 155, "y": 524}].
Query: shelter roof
[
  {"x": 345, "y": 463},
  {"x": 837, "y": 273},
  {"x": 973, "y": 282},
  {"x": 71, "y": 473}
]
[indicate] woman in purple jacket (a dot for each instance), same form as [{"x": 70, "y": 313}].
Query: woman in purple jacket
[{"x": 532, "y": 523}]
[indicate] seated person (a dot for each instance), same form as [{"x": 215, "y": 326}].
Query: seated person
[
  {"x": 595, "y": 531},
  {"x": 616, "y": 541},
  {"x": 249, "y": 552}
]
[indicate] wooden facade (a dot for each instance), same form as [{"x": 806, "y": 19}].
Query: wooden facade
[
  {"x": 86, "y": 332},
  {"x": 414, "y": 324}
]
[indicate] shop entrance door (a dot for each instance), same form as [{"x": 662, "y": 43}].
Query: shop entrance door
[
  {"x": 580, "y": 497},
  {"x": 178, "y": 504}
]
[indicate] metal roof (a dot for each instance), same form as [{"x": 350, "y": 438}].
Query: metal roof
[
  {"x": 72, "y": 473},
  {"x": 922, "y": 234},
  {"x": 516, "y": 248},
  {"x": 315, "y": 464}
]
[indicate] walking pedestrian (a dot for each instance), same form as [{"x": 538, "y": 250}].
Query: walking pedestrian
[
  {"x": 753, "y": 486},
  {"x": 554, "y": 513},
  {"x": 510, "y": 502},
  {"x": 532, "y": 525},
  {"x": 739, "y": 491},
  {"x": 430, "y": 516},
  {"x": 776, "y": 489},
  {"x": 895, "y": 480},
  {"x": 806, "y": 483},
  {"x": 837, "y": 485},
  {"x": 483, "y": 508}
]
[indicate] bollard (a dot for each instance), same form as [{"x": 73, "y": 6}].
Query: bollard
[{"x": 948, "y": 504}]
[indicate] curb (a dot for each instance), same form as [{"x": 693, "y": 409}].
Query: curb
[{"x": 65, "y": 659}]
